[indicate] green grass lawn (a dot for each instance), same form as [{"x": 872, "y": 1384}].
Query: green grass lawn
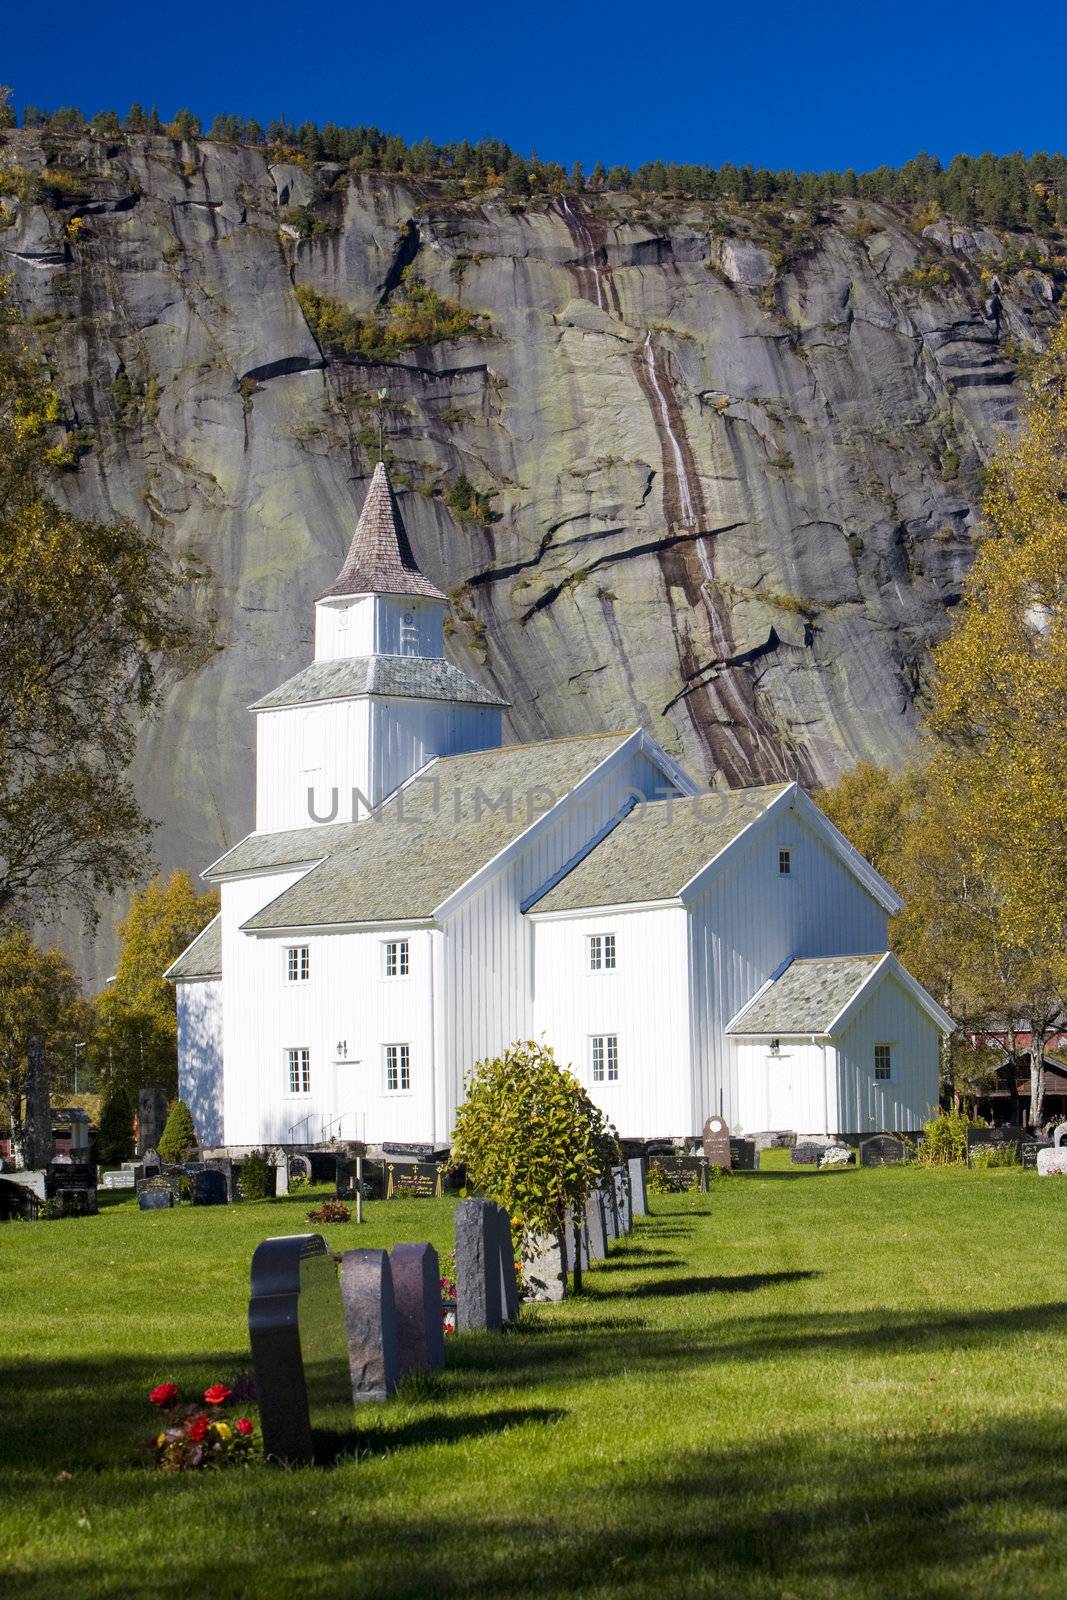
[{"x": 801, "y": 1385}]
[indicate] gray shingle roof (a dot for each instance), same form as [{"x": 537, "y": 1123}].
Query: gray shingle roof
[
  {"x": 807, "y": 997},
  {"x": 425, "y": 844},
  {"x": 202, "y": 958},
  {"x": 655, "y": 851},
  {"x": 380, "y": 559},
  {"x": 399, "y": 677},
  {"x": 290, "y": 848}
]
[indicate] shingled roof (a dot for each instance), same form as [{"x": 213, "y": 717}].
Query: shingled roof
[
  {"x": 654, "y": 852},
  {"x": 424, "y": 845},
  {"x": 379, "y": 559},
  {"x": 396, "y": 677},
  {"x": 807, "y": 997},
  {"x": 202, "y": 959}
]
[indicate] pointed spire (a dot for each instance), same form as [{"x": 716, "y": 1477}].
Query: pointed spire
[{"x": 379, "y": 559}]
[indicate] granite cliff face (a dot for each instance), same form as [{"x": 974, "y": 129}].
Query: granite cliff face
[{"x": 732, "y": 457}]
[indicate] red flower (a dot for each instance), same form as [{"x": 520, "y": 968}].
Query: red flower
[
  {"x": 164, "y": 1394},
  {"x": 217, "y": 1395},
  {"x": 244, "y": 1426},
  {"x": 198, "y": 1429}
]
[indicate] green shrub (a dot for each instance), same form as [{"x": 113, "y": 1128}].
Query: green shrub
[
  {"x": 179, "y": 1134},
  {"x": 945, "y": 1139},
  {"x": 466, "y": 503},
  {"x": 990, "y": 1156},
  {"x": 657, "y": 1181},
  {"x": 257, "y": 1177},
  {"x": 114, "y": 1139},
  {"x": 416, "y": 315}
]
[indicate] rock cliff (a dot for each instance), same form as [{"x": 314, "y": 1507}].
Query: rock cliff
[{"x": 731, "y": 457}]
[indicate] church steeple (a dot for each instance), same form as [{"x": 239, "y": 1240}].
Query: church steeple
[{"x": 380, "y": 558}]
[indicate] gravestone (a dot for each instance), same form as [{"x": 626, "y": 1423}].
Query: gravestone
[
  {"x": 155, "y": 1182},
  {"x": 611, "y": 1212},
  {"x": 151, "y": 1117},
  {"x": 224, "y": 1165},
  {"x": 684, "y": 1174},
  {"x": 638, "y": 1192},
  {"x": 716, "y": 1143},
  {"x": 155, "y": 1194},
  {"x": 413, "y": 1180},
  {"x": 370, "y": 1320},
  {"x": 882, "y": 1151},
  {"x": 479, "y": 1284},
  {"x": 297, "y": 1166},
  {"x": 1029, "y": 1150},
  {"x": 1059, "y": 1133},
  {"x": 208, "y": 1188},
  {"x": 37, "y": 1142},
  {"x": 1002, "y": 1138},
  {"x": 596, "y": 1227},
  {"x": 544, "y": 1268},
  {"x": 417, "y": 1296},
  {"x": 1052, "y": 1163},
  {"x": 575, "y": 1243},
  {"x": 119, "y": 1179},
  {"x": 151, "y": 1165},
  {"x": 744, "y": 1156},
  {"x": 281, "y": 1172},
  {"x": 509, "y": 1288},
  {"x": 622, "y": 1198},
  {"x": 296, "y": 1324},
  {"x": 837, "y": 1155},
  {"x": 322, "y": 1166},
  {"x": 808, "y": 1152},
  {"x": 775, "y": 1139}
]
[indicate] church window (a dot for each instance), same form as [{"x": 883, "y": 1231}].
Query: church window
[
  {"x": 883, "y": 1063},
  {"x": 785, "y": 863},
  {"x": 299, "y": 963},
  {"x": 299, "y": 1070},
  {"x": 601, "y": 948},
  {"x": 605, "y": 1053},
  {"x": 397, "y": 958},
  {"x": 397, "y": 1068}
]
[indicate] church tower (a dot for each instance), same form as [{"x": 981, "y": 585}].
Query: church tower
[{"x": 379, "y": 700}]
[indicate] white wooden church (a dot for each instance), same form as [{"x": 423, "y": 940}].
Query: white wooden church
[{"x": 416, "y": 895}]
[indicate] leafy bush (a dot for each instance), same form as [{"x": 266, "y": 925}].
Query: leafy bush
[
  {"x": 657, "y": 1181},
  {"x": 179, "y": 1134},
  {"x": 114, "y": 1139},
  {"x": 416, "y": 315},
  {"x": 531, "y": 1138},
  {"x": 257, "y": 1177},
  {"x": 990, "y": 1156},
  {"x": 945, "y": 1139},
  {"x": 466, "y": 503}
]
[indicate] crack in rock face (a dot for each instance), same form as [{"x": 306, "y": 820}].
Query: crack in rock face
[{"x": 728, "y": 466}]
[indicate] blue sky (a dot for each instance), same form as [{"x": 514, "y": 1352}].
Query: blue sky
[{"x": 802, "y": 85}]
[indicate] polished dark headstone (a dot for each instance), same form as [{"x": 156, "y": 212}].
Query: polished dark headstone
[
  {"x": 414, "y": 1180},
  {"x": 596, "y": 1226},
  {"x": 224, "y": 1165},
  {"x": 208, "y": 1188},
  {"x": 683, "y": 1174},
  {"x": 882, "y": 1151},
  {"x": 1028, "y": 1150},
  {"x": 417, "y": 1295},
  {"x": 370, "y": 1319},
  {"x": 638, "y": 1191},
  {"x": 296, "y": 1324},
  {"x": 479, "y": 1285},
  {"x": 716, "y": 1143},
  {"x": 744, "y": 1157},
  {"x": 1003, "y": 1138},
  {"x": 151, "y": 1199}
]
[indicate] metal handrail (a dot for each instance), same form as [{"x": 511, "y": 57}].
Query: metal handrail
[{"x": 303, "y": 1123}]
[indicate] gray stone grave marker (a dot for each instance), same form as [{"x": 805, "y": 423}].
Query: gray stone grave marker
[
  {"x": 611, "y": 1212},
  {"x": 417, "y": 1295},
  {"x": 882, "y": 1151},
  {"x": 808, "y": 1152},
  {"x": 1059, "y": 1134},
  {"x": 509, "y": 1288},
  {"x": 622, "y": 1198},
  {"x": 296, "y": 1325},
  {"x": 281, "y": 1172},
  {"x": 716, "y": 1143},
  {"x": 596, "y": 1226},
  {"x": 479, "y": 1286},
  {"x": 576, "y": 1243},
  {"x": 638, "y": 1192},
  {"x": 370, "y": 1319},
  {"x": 544, "y": 1268}
]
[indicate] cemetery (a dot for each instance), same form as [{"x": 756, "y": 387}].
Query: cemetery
[{"x": 863, "y": 1403}]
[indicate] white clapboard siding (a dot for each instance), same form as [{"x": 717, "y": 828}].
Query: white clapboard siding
[
  {"x": 406, "y": 734},
  {"x": 379, "y": 625},
  {"x": 890, "y": 1017},
  {"x": 200, "y": 1055},
  {"x": 488, "y": 955},
  {"x": 749, "y": 921},
  {"x": 791, "y": 1088},
  {"x": 324, "y": 749},
  {"x": 643, "y": 1001}
]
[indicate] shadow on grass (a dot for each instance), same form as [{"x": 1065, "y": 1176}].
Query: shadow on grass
[
  {"x": 636, "y": 1260},
  {"x": 740, "y": 1283},
  {"x": 372, "y": 1441}
]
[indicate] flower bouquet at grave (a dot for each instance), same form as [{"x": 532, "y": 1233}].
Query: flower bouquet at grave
[
  {"x": 448, "y": 1291},
  {"x": 199, "y": 1435}
]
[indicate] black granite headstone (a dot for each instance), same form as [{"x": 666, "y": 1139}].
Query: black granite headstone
[
  {"x": 1028, "y": 1152},
  {"x": 479, "y": 1285},
  {"x": 224, "y": 1165},
  {"x": 370, "y": 1320},
  {"x": 882, "y": 1151},
  {"x": 296, "y": 1324},
  {"x": 684, "y": 1174},
  {"x": 413, "y": 1180},
  {"x": 208, "y": 1188},
  {"x": 151, "y": 1199},
  {"x": 417, "y": 1296},
  {"x": 1005, "y": 1137},
  {"x": 744, "y": 1157}
]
